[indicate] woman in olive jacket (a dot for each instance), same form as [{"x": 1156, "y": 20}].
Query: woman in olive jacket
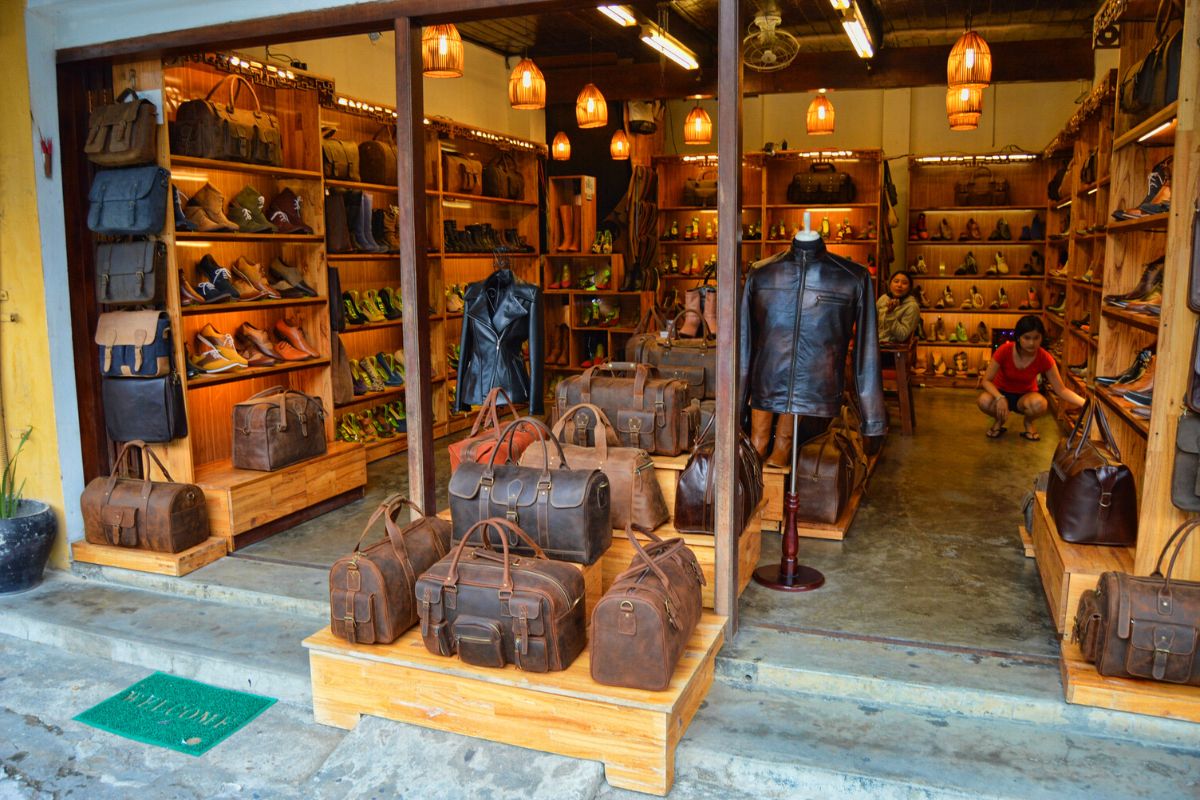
[{"x": 897, "y": 310}]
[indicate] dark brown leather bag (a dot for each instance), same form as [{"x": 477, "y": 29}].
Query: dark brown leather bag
[
  {"x": 589, "y": 442},
  {"x": 461, "y": 175},
  {"x": 494, "y": 609},
  {"x": 123, "y": 133},
  {"x": 163, "y": 516},
  {"x": 693, "y": 361},
  {"x": 208, "y": 129},
  {"x": 826, "y": 476},
  {"x": 131, "y": 272},
  {"x": 372, "y": 596},
  {"x": 1144, "y": 627},
  {"x": 277, "y": 427},
  {"x": 695, "y": 494},
  {"x": 377, "y": 158},
  {"x": 478, "y": 446},
  {"x": 643, "y": 623},
  {"x": 502, "y": 178},
  {"x": 650, "y": 412}
]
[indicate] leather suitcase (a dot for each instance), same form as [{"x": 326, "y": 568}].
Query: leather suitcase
[
  {"x": 377, "y": 159},
  {"x": 277, "y": 427},
  {"x": 162, "y": 516},
  {"x": 494, "y": 609},
  {"x": 461, "y": 175},
  {"x": 372, "y": 596},
  {"x": 478, "y": 447},
  {"x": 821, "y": 184},
  {"x": 693, "y": 361},
  {"x": 642, "y": 624},
  {"x": 123, "y": 134},
  {"x": 695, "y": 494}
]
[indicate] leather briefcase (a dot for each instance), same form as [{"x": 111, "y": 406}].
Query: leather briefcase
[
  {"x": 123, "y": 133},
  {"x": 377, "y": 158},
  {"x": 277, "y": 427},
  {"x": 461, "y": 175},
  {"x": 981, "y": 189},
  {"x": 339, "y": 159},
  {"x": 208, "y": 129},
  {"x": 827, "y": 474},
  {"x": 162, "y": 516},
  {"x": 478, "y": 447},
  {"x": 149, "y": 409},
  {"x": 1091, "y": 494},
  {"x": 643, "y": 622},
  {"x": 502, "y": 178},
  {"x": 1144, "y": 627},
  {"x": 702, "y": 191},
  {"x": 128, "y": 202},
  {"x": 653, "y": 413},
  {"x": 134, "y": 344},
  {"x": 494, "y": 609},
  {"x": 372, "y": 592},
  {"x": 565, "y": 510},
  {"x": 822, "y": 184},
  {"x": 130, "y": 272},
  {"x": 589, "y": 442},
  {"x": 693, "y": 361},
  {"x": 695, "y": 494}
]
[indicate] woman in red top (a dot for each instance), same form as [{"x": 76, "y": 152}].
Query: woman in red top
[{"x": 1010, "y": 382}]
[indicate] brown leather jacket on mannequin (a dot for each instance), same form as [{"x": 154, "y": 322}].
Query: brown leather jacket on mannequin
[{"x": 800, "y": 309}]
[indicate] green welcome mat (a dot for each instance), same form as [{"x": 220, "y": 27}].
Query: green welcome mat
[{"x": 176, "y": 713}]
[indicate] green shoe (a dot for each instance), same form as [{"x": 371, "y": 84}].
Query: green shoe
[{"x": 960, "y": 333}]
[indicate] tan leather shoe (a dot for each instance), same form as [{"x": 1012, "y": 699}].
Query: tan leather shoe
[
  {"x": 206, "y": 210},
  {"x": 1143, "y": 384},
  {"x": 289, "y": 329},
  {"x": 222, "y": 342},
  {"x": 781, "y": 454},
  {"x": 255, "y": 275},
  {"x": 188, "y": 296},
  {"x": 289, "y": 353},
  {"x": 760, "y": 430},
  {"x": 258, "y": 337},
  {"x": 247, "y": 350}
]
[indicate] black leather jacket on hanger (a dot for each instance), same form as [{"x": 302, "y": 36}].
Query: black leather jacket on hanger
[
  {"x": 800, "y": 309},
  {"x": 499, "y": 314}
]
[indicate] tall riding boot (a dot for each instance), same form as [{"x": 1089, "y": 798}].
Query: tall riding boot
[
  {"x": 760, "y": 430},
  {"x": 564, "y": 225},
  {"x": 354, "y": 219},
  {"x": 576, "y": 234},
  {"x": 781, "y": 454}
]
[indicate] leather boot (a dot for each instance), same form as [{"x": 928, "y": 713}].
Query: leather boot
[
  {"x": 337, "y": 232},
  {"x": 709, "y": 301},
  {"x": 1144, "y": 383},
  {"x": 781, "y": 454},
  {"x": 365, "y": 220},
  {"x": 760, "y": 430},
  {"x": 576, "y": 234},
  {"x": 566, "y": 226},
  {"x": 564, "y": 345}
]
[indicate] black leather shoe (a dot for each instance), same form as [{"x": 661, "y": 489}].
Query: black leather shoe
[{"x": 218, "y": 276}]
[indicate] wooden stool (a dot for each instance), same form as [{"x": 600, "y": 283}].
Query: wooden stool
[{"x": 904, "y": 354}]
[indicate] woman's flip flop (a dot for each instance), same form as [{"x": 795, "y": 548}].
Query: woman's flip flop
[
  {"x": 1032, "y": 436},
  {"x": 995, "y": 433}
]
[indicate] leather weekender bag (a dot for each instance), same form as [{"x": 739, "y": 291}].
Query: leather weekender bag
[
  {"x": 162, "y": 516},
  {"x": 277, "y": 427},
  {"x": 1091, "y": 494},
  {"x": 494, "y": 609},
  {"x": 339, "y": 159},
  {"x": 131, "y": 272},
  {"x": 123, "y": 133},
  {"x": 478, "y": 446},
  {"x": 461, "y": 175},
  {"x": 693, "y": 361},
  {"x": 134, "y": 344},
  {"x": 565, "y": 510},
  {"x": 827, "y": 473},
  {"x": 642, "y": 624},
  {"x": 377, "y": 158},
  {"x": 149, "y": 409},
  {"x": 208, "y": 129},
  {"x": 981, "y": 189},
  {"x": 372, "y": 591},
  {"x": 654, "y": 413},
  {"x": 588, "y": 441},
  {"x": 821, "y": 184},
  {"x": 695, "y": 494},
  {"x": 502, "y": 178},
  {"x": 1144, "y": 627},
  {"x": 128, "y": 202},
  {"x": 702, "y": 191}
]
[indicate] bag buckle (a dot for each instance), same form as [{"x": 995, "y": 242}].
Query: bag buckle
[{"x": 1105, "y": 499}]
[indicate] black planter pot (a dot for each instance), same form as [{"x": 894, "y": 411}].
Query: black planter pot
[{"x": 25, "y": 542}]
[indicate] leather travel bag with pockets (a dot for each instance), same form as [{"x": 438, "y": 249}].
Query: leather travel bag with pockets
[
  {"x": 693, "y": 361},
  {"x": 1185, "y": 473},
  {"x": 210, "y": 129},
  {"x": 695, "y": 493},
  {"x": 502, "y": 178},
  {"x": 131, "y": 272},
  {"x": 478, "y": 445},
  {"x": 702, "y": 191},
  {"x": 372, "y": 591},
  {"x": 828, "y": 469},
  {"x": 588, "y": 441},
  {"x": 822, "y": 184},
  {"x": 981, "y": 189},
  {"x": 339, "y": 159},
  {"x": 377, "y": 158},
  {"x": 149, "y": 409},
  {"x": 564, "y": 510},
  {"x": 654, "y": 413},
  {"x": 162, "y": 516},
  {"x": 642, "y": 624},
  {"x": 495, "y": 608},
  {"x": 134, "y": 344},
  {"x": 128, "y": 202},
  {"x": 123, "y": 133},
  {"x": 461, "y": 175},
  {"x": 277, "y": 427}
]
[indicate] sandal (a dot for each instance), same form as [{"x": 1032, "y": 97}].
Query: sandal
[
  {"x": 995, "y": 433},
  {"x": 1032, "y": 436}
]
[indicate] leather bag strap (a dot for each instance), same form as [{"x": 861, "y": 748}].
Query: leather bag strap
[
  {"x": 484, "y": 526},
  {"x": 673, "y": 330},
  {"x": 489, "y": 413},
  {"x": 1106, "y": 433},
  {"x": 604, "y": 428}
]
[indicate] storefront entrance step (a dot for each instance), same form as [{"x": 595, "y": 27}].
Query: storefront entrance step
[{"x": 251, "y": 649}]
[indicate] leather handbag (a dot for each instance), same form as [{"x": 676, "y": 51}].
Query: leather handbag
[
  {"x": 642, "y": 624},
  {"x": 588, "y": 441},
  {"x": 1091, "y": 494},
  {"x": 693, "y": 361},
  {"x": 162, "y": 516},
  {"x": 128, "y": 202},
  {"x": 502, "y": 178},
  {"x": 567, "y": 511},
  {"x": 478, "y": 445},
  {"x": 827, "y": 473},
  {"x": 130, "y": 272},
  {"x": 277, "y": 427},
  {"x": 1153, "y": 82},
  {"x": 493, "y": 609},
  {"x": 123, "y": 133},
  {"x": 339, "y": 159},
  {"x": 653, "y": 413},
  {"x": 149, "y": 409},
  {"x": 372, "y": 591},
  {"x": 377, "y": 158},
  {"x": 981, "y": 189},
  {"x": 1185, "y": 474},
  {"x": 695, "y": 494},
  {"x": 822, "y": 184},
  {"x": 134, "y": 344},
  {"x": 1144, "y": 627},
  {"x": 700, "y": 191},
  {"x": 461, "y": 175},
  {"x": 208, "y": 129}
]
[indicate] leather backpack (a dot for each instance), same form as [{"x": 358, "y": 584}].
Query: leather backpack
[
  {"x": 123, "y": 133},
  {"x": 377, "y": 158},
  {"x": 461, "y": 175},
  {"x": 131, "y": 272},
  {"x": 502, "y": 178},
  {"x": 134, "y": 344},
  {"x": 1153, "y": 82},
  {"x": 339, "y": 159},
  {"x": 128, "y": 202},
  {"x": 478, "y": 446},
  {"x": 821, "y": 184},
  {"x": 695, "y": 494},
  {"x": 277, "y": 427},
  {"x": 208, "y": 129}
]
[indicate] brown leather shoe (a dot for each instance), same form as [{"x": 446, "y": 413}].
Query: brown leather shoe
[
  {"x": 260, "y": 340},
  {"x": 255, "y": 275},
  {"x": 1143, "y": 384},
  {"x": 289, "y": 353},
  {"x": 245, "y": 289},
  {"x": 781, "y": 454},
  {"x": 254, "y": 357},
  {"x": 206, "y": 210},
  {"x": 188, "y": 296},
  {"x": 284, "y": 213},
  {"x": 289, "y": 329},
  {"x": 760, "y": 430}
]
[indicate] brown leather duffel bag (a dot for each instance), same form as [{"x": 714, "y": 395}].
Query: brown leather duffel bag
[
  {"x": 377, "y": 158},
  {"x": 123, "y": 134},
  {"x": 693, "y": 361},
  {"x": 208, "y": 129},
  {"x": 827, "y": 471},
  {"x": 478, "y": 447},
  {"x": 372, "y": 592},
  {"x": 163, "y": 516},
  {"x": 695, "y": 494},
  {"x": 642, "y": 624},
  {"x": 461, "y": 175},
  {"x": 277, "y": 427},
  {"x": 494, "y": 609},
  {"x": 653, "y": 413}
]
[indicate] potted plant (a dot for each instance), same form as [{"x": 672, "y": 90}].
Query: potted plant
[{"x": 27, "y": 530}]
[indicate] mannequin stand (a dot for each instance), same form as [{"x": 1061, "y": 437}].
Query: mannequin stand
[{"x": 789, "y": 575}]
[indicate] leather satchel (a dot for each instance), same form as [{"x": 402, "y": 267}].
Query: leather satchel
[
  {"x": 493, "y": 609},
  {"x": 1144, "y": 627},
  {"x": 128, "y": 202},
  {"x": 162, "y": 516},
  {"x": 828, "y": 470},
  {"x": 693, "y": 361},
  {"x": 149, "y": 409},
  {"x": 1091, "y": 494},
  {"x": 123, "y": 133},
  {"x": 339, "y": 159},
  {"x": 822, "y": 184},
  {"x": 130, "y": 272},
  {"x": 695, "y": 494},
  {"x": 642, "y": 624},
  {"x": 372, "y": 591},
  {"x": 208, "y": 129},
  {"x": 981, "y": 189},
  {"x": 134, "y": 344},
  {"x": 377, "y": 158},
  {"x": 277, "y": 427},
  {"x": 461, "y": 175},
  {"x": 1185, "y": 474},
  {"x": 502, "y": 178},
  {"x": 702, "y": 191},
  {"x": 588, "y": 441},
  {"x": 567, "y": 511},
  {"x": 478, "y": 446}
]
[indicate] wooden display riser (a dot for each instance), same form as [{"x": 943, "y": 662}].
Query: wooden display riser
[
  {"x": 173, "y": 564},
  {"x": 1082, "y": 685},
  {"x": 633, "y": 732},
  {"x": 386, "y": 447},
  {"x": 1026, "y": 542},
  {"x": 1069, "y": 570},
  {"x": 667, "y": 469}
]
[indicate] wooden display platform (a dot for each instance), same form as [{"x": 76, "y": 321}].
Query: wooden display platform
[
  {"x": 1068, "y": 570},
  {"x": 386, "y": 447},
  {"x": 667, "y": 469},
  {"x": 173, "y": 564},
  {"x": 633, "y": 732},
  {"x": 1082, "y": 685},
  {"x": 1026, "y": 542}
]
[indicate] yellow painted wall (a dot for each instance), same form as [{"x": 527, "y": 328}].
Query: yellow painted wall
[{"x": 24, "y": 345}]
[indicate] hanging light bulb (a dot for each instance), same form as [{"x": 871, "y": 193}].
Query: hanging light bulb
[
  {"x": 561, "y": 147},
  {"x": 527, "y": 87},
  {"x": 964, "y": 106},
  {"x": 590, "y": 109},
  {"x": 619, "y": 146},
  {"x": 970, "y": 62},
  {"x": 820, "y": 115},
  {"x": 441, "y": 52},
  {"x": 697, "y": 128}
]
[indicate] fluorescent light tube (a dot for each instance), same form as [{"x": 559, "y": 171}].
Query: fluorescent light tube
[
  {"x": 618, "y": 14},
  {"x": 858, "y": 37},
  {"x": 1157, "y": 130},
  {"x": 840, "y": 5},
  {"x": 669, "y": 46}
]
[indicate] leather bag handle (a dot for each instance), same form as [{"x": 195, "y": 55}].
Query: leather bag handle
[
  {"x": 1083, "y": 425},
  {"x": 651, "y": 321},
  {"x": 234, "y": 84},
  {"x": 488, "y": 412},
  {"x": 641, "y": 374},
  {"x": 602, "y": 424},
  {"x": 542, "y": 433},
  {"x": 1178, "y": 538},
  {"x": 1106, "y": 433},
  {"x": 121, "y": 471},
  {"x": 647, "y": 558},
  {"x": 485, "y": 526},
  {"x": 673, "y": 330}
]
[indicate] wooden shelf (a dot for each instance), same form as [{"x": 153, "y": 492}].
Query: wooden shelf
[
  {"x": 979, "y": 276},
  {"x": 1163, "y": 139},
  {"x": 959, "y": 345},
  {"x": 591, "y": 293},
  {"x": 481, "y": 199},
  {"x": 1059, "y": 279},
  {"x": 371, "y": 326},
  {"x": 212, "y": 379},
  {"x": 1083, "y": 685},
  {"x": 1086, "y": 338},
  {"x": 1122, "y": 407},
  {"x": 813, "y": 207},
  {"x": 384, "y": 448},
  {"x": 1146, "y": 322},
  {"x": 996, "y": 311},
  {"x": 693, "y": 243},
  {"x": 336, "y": 258},
  {"x": 972, "y": 209},
  {"x": 970, "y": 242},
  {"x": 1154, "y": 222},
  {"x": 390, "y": 393},
  {"x": 236, "y": 166},
  {"x": 173, "y": 564},
  {"x": 492, "y": 256},
  {"x": 196, "y": 236},
  {"x": 366, "y": 187},
  {"x": 238, "y": 306}
]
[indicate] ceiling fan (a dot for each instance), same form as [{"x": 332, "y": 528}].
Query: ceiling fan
[{"x": 767, "y": 49}]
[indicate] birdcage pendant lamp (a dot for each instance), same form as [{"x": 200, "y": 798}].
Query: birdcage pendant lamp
[
  {"x": 590, "y": 109},
  {"x": 819, "y": 121},
  {"x": 561, "y": 147},
  {"x": 697, "y": 128},
  {"x": 527, "y": 87},
  {"x": 964, "y": 107},
  {"x": 970, "y": 62},
  {"x": 618, "y": 148},
  {"x": 441, "y": 52}
]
